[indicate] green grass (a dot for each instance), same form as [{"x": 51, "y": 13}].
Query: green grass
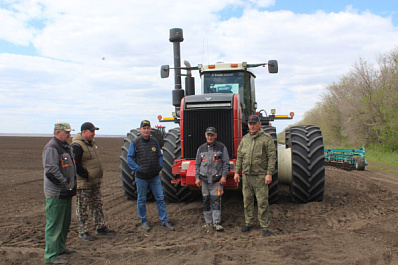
[{"x": 381, "y": 157}]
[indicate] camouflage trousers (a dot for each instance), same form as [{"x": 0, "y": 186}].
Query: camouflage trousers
[
  {"x": 254, "y": 185},
  {"x": 89, "y": 200}
]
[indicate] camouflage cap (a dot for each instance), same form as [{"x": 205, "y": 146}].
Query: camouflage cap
[{"x": 63, "y": 126}]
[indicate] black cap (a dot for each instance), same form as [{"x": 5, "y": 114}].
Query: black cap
[
  {"x": 211, "y": 130},
  {"x": 88, "y": 126},
  {"x": 145, "y": 123},
  {"x": 253, "y": 118}
]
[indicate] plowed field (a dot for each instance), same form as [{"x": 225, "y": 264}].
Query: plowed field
[{"x": 357, "y": 223}]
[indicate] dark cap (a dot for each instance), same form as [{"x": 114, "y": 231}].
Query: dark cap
[
  {"x": 88, "y": 126},
  {"x": 145, "y": 123},
  {"x": 253, "y": 118},
  {"x": 211, "y": 130}
]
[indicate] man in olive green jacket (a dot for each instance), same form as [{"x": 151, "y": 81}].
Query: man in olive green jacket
[
  {"x": 89, "y": 176},
  {"x": 256, "y": 159}
]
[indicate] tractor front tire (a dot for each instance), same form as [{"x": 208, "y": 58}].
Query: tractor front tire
[
  {"x": 127, "y": 175},
  {"x": 171, "y": 151}
]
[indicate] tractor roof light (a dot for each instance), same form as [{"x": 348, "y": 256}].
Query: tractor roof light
[
  {"x": 291, "y": 114},
  {"x": 211, "y": 66},
  {"x": 160, "y": 117}
]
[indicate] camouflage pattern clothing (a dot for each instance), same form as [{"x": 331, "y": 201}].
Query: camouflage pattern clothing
[
  {"x": 89, "y": 199},
  {"x": 256, "y": 158},
  {"x": 255, "y": 186}
]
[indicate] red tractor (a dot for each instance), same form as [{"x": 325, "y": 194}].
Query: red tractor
[{"x": 227, "y": 99}]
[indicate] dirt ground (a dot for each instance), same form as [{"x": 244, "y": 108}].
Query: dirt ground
[{"x": 357, "y": 223}]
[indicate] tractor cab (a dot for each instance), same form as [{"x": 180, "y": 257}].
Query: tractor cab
[{"x": 230, "y": 78}]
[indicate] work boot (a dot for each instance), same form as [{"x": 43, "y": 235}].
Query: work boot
[
  {"x": 168, "y": 226},
  {"x": 86, "y": 237},
  {"x": 146, "y": 227},
  {"x": 207, "y": 225},
  {"x": 58, "y": 261},
  {"x": 105, "y": 231},
  {"x": 266, "y": 233},
  {"x": 218, "y": 227},
  {"x": 246, "y": 228}
]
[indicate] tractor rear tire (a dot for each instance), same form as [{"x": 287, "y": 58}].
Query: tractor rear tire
[
  {"x": 127, "y": 175},
  {"x": 308, "y": 164},
  {"x": 172, "y": 151},
  {"x": 273, "y": 188},
  {"x": 360, "y": 163}
]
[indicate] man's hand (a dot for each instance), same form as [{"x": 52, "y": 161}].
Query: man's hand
[
  {"x": 268, "y": 179},
  {"x": 198, "y": 183},
  {"x": 237, "y": 177},
  {"x": 223, "y": 180}
]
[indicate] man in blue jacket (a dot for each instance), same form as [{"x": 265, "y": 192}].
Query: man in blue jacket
[
  {"x": 146, "y": 160},
  {"x": 59, "y": 188}
]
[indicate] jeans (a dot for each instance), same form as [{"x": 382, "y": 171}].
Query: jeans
[{"x": 157, "y": 190}]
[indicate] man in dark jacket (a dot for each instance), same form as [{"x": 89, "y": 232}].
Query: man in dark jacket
[
  {"x": 145, "y": 159},
  {"x": 59, "y": 188},
  {"x": 211, "y": 171},
  {"x": 89, "y": 176}
]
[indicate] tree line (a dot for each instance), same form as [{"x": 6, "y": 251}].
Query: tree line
[{"x": 361, "y": 108}]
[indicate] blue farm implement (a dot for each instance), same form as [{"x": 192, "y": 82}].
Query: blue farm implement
[{"x": 347, "y": 158}]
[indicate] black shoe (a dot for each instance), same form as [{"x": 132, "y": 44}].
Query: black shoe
[
  {"x": 105, "y": 231},
  {"x": 266, "y": 233},
  {"x": 86, "y": 237},
  {"x": 67, "y": 251},
  {"x": 246, "y": 228},
  {"x": 168, "y": 227}
]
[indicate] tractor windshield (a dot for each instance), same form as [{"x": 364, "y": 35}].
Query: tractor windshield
[{"x": 222, "y": 82}]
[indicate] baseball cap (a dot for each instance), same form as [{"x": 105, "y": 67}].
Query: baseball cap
[
  {"x": 145, "y": 123},
  {"x": 88, "y": 126},
  {"x": 253, "y": 118},
  {"x": 63, "y": 126},
  {"x": 211, "y": 130}
]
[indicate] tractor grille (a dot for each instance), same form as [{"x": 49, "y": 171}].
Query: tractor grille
[{"x": 195, "y": 123}]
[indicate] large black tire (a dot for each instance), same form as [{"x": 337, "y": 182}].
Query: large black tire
[
  {"x": 172, "y": 151},
  {"x": 308, "y": 180},
  {"x": 360, "y": 163},
  {"x": 273, "y": 189},
  {"x": 127, "y": 175}
]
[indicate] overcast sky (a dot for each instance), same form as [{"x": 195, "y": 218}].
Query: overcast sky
[{"x": 99, "y": 61}]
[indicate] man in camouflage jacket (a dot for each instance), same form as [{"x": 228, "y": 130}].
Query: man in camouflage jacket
[{"x": 256, "y": 159}]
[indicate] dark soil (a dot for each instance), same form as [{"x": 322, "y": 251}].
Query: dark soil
[{"x": 357, "y": 223}]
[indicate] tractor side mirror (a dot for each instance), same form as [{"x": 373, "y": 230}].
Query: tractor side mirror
[
  {"x": 272, "y": 66},
  {"x": 164, "y": 71}
]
